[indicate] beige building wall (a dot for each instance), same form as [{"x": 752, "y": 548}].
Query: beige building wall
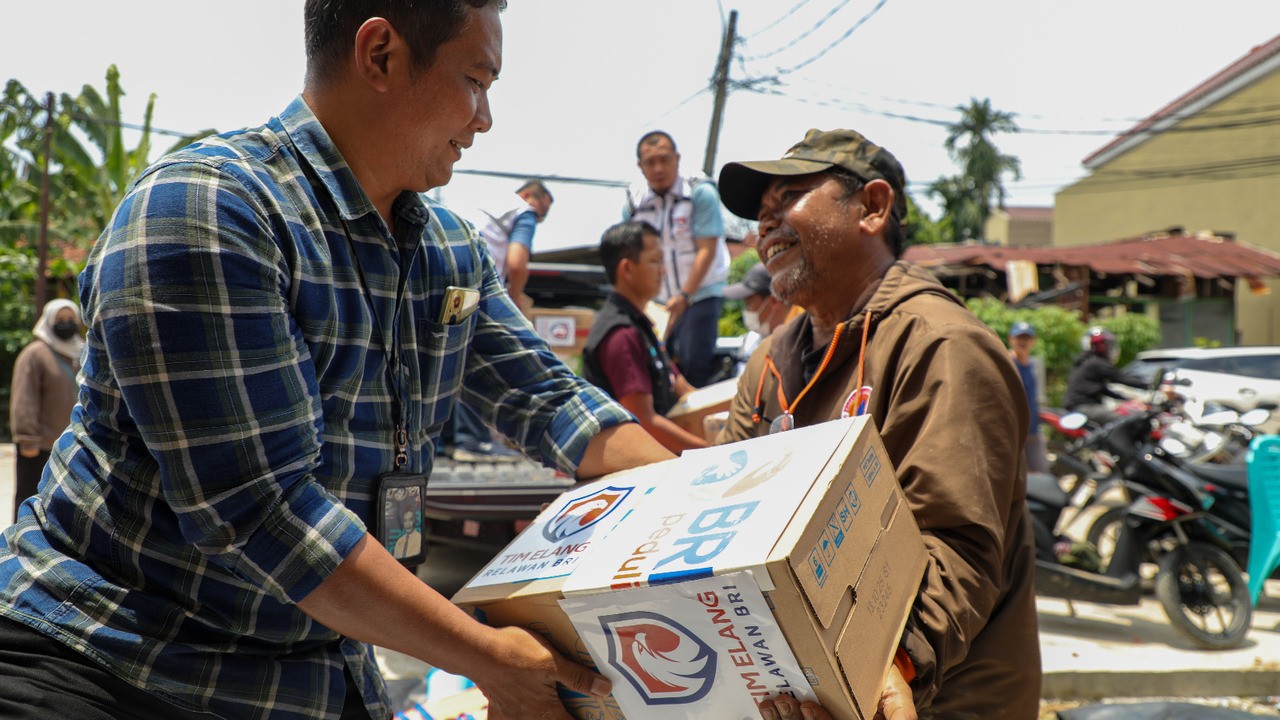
[
  {"x": 1022, "y": 226},
  {"x": 1223, "y": 180}
]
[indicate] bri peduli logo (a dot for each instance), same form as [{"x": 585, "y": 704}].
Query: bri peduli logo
[
  {"x": 662, "y": 660},
  {"x": 745, "y": 472},
  {"x": 584, "y": 512}
]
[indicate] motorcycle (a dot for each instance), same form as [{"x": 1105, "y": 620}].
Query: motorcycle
[
  {"x": 1226, "y": 500},
  {"x": 1198, "y": 582},
  {"x": 1211, "y": 432}
]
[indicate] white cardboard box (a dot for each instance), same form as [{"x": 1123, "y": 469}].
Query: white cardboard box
[{"x": 812, "y": 520}]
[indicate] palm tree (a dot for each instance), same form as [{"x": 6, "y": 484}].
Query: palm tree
[
  {"x": 969, "y": 142},
  {"x": 961, "y": 217}
]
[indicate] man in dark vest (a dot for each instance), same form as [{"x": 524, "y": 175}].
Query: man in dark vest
[{"x": 623, "y": 355}]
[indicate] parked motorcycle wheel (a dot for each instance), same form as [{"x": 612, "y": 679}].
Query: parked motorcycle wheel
[
  {"x": 1204, "y": 594},
  {"x": 1104, "y": 532},
  {"x": 1071, "y": 470}
]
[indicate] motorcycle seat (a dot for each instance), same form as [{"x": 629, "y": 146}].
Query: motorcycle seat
[
  {"x": 1044, "y": 488},
  {"x": 1235, "y": 477}
]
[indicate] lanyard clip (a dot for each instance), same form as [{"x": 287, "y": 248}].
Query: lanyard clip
[{"x": 402, "y": 447}]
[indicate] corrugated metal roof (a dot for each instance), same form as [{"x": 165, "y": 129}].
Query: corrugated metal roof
[{"x": 1176, "y": 255}]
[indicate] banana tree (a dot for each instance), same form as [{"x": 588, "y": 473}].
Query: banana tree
[
  {"x": 19, "y": 197},
  {"x": 94, "y": 161}
]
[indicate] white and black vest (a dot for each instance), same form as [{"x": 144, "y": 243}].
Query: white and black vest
[{"x": 672, "y": 215}]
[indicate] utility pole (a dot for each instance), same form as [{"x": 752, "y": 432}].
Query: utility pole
[
  {"x": 42, "y": 249},
  {"x": 721, "y": 80}
]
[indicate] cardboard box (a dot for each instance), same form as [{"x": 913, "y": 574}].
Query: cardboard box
[
  {"x": 689, "y": 412},
  {"x": 564, "y": 329},
  {"x": 783, "y": 563}
]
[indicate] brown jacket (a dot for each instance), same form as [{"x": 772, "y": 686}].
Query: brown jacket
[
  {"x": 953, "y": 416},
  {"x": 42, "y": 395}
]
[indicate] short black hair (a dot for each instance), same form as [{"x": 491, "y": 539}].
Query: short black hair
[
  {"x": 330, "y": 28},
  {"x": 893, "y": 232},
  {"x": 624, "y": 241},
  {"x": 652, "y": 137}
]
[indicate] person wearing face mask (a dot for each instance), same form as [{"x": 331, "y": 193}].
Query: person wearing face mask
[
  {"x": 44, "y": 391},
  {"x": 762, "y": 311}
]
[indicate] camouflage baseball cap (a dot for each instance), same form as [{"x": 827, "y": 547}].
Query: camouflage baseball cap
[{"x": 743, "y": 183}]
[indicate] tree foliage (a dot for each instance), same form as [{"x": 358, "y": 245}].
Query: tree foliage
[
  {"x": 922, "y": 229},
  {"x": 968, "y": 198},
  {"x": 731, "y": 315},
  {"x": 1058, "y": 333},
  {"x": 90, "y": 166}
]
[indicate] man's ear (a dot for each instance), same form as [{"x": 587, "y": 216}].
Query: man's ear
[
  {"x": 878, "y": 205},
  {"x": 376, "y": 43}
]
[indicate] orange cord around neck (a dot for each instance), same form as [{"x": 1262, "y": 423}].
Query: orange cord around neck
[{"x": 826, "y": 359}]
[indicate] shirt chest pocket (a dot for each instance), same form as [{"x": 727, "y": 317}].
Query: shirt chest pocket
[{"x": 442, "y": 361}]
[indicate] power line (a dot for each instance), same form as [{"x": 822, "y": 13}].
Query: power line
[
  {"x": 696, "y": 94},
  {"x": 1240, "y": 124},
  {"x": 776, "y": 22},
  {"x": 802, "y": 35},
  {"x": 1175, "y": 116},
  {"x": 837, "y": 41},
  {"x": 105, "y": 121},
  {"x": 569, "y": 179}
]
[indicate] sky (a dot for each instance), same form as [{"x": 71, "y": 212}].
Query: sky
[{"x": 583, "y": 79}]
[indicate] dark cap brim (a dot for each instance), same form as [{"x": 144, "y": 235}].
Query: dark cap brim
[{"x": 742, "y": 184}]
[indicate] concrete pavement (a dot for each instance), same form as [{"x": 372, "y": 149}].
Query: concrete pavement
[{"x": 1099, "y": 652}]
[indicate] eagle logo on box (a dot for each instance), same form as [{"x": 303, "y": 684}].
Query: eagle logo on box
[
  {"x": 584, "y": 512},
  {"x": 665, "y": 662}
]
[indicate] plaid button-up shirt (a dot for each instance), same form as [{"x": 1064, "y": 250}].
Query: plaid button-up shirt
[{"x": 235, "y": 411}]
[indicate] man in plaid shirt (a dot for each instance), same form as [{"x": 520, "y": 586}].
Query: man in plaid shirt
[{"x": 268, "y": 336}]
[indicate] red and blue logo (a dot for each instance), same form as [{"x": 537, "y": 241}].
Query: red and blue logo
[
  {"x": 662, "y": 660},
  {"x": 584, "y": 512}
]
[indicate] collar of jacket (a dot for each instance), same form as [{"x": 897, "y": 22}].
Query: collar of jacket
[{"x": 792, "y": 341}]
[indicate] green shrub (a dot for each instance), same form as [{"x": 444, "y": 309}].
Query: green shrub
[
  {"x": 17, "y": 315},
  {"x": 731, "y": 315},
  {"x": 1058, "y": 332},
  {"x": 1134, "y": 332}
]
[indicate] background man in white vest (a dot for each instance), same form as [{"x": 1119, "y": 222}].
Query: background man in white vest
[
  {"x": 686, "y": 212},
  {"x": 509, "y": 234}
]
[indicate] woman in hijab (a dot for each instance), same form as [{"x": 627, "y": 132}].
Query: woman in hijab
[{"x": 44, "y": 391}]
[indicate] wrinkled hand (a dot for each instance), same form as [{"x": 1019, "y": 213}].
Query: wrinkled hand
[
  {"x": 896, "y": 700},
  {"x": 520, "y": 682},
  {"x": 786, "y": 707},
  {"x": 28, "y": 451}
]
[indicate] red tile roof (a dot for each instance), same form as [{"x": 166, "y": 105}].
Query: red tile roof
[
  {"x": 1178, "y": 255},
  {"x": 1250, "y": 60}
]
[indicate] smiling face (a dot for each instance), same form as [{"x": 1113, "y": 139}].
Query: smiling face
[
  {"x": 442, "y": 108},
  {"x": 809, "y": 237}
]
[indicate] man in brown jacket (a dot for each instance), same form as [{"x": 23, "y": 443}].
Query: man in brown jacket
[{"x": 883, "y": 337}]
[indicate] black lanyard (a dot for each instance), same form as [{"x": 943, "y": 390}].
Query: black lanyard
[{"x": 390, "y": 351}]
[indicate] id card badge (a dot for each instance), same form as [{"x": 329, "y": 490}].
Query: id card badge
[{"x": 401, "y": 523}]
